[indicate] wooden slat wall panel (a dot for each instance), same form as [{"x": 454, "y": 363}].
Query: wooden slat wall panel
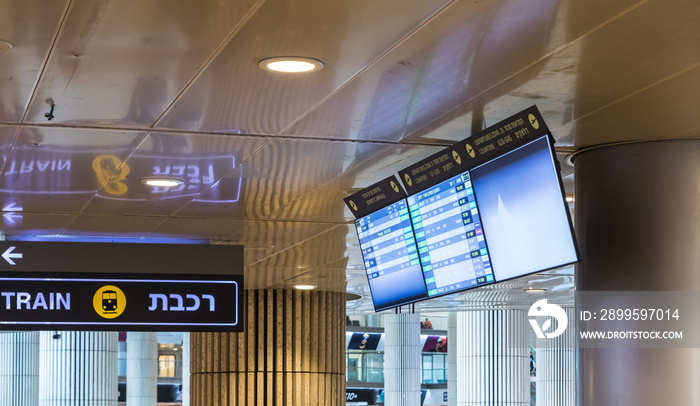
[{"x": 291, "y": 354}]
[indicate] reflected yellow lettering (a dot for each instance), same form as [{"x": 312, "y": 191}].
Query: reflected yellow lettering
[{"x": 110, "y": 173}]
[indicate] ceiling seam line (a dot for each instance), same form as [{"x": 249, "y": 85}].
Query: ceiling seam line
[
  {"x": 375, "y": 61},
  {"x": 640, "y": 90},
  {"x": 15, "y": 138},
  {"x": 246, "y": 18},
  {"x": 47, "y": 59},
  {"x": 166, "y": 131},
  {"x": 70, "y": 214}
]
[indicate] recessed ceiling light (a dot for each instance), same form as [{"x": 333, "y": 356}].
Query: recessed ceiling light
[
  {"x": 305, "y": 287},
  {"x": 162, "y": 182},
  {"x": 5, "y": 47},
  {"x": 291, "y": 64},
  {"x": 535, "y": 290},
  {"x": 570, "y": 199}
]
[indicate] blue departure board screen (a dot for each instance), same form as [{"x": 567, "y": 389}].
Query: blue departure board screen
[
  {"x": 391, "y": 256},
  {"x": 449, "y": 237},
  {"x": 497, "y": 221}
]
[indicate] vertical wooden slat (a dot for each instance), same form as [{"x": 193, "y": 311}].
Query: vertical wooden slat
[{"x": 292, "y": 353}]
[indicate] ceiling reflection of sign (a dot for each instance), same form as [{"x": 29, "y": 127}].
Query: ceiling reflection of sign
[
  {"x": 11, "y": 214},
  {"x": 110, "y": 172},
  {"x": 120, "y": 302},
  {"x": 61, "y": 171}
]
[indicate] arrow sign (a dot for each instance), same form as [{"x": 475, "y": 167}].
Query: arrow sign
[
  {"x": 12, "y": 207},
  {"x": 11, "y": 216},
  {"x": 8, "y": 255}
]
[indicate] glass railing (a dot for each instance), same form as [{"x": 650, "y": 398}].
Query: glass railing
[
  {"x": 364, "y": 366},
  {"x": 169, "y": 368},
  {"x": 433, "y": 368},
  {"x": 166, "y": 368}
]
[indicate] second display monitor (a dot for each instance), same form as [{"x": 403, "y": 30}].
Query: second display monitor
[{"x": 449, "y": 237}]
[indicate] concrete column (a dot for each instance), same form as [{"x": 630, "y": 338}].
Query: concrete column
[
  {"x": 638, "y": 224},
  {"x": 185, "y": 369},
  {"x": 78, "y": 368},
  {"x": 292, "y": 353},
  {"x": 452, "y": 341},
  {"x": 141, "y": 368},
  {"x": 556, "y": 367},
  {"x": 19, "y": 368},
  {"x": 493, "y": 357},
  {"x": 402, "y": 352}
]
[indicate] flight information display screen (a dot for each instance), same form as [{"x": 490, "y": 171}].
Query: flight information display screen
[
  {"x": 449, "y": 237},
  {"x": 391, "y": 256}
]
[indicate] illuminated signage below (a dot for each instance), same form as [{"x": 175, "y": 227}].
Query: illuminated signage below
[{"x": 134, "y": 302}]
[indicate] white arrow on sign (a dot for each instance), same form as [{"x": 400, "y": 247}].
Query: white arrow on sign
[
  {"x": 11, "y": 216},
  {"x": 8, "y": 255},
  {"x": 12, "y": 207}
]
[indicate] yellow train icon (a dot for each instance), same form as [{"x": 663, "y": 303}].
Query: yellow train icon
[{"x": 109, "y": 301}]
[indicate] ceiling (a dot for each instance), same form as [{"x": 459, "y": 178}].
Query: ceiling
[{"x": 173, "y": 87}]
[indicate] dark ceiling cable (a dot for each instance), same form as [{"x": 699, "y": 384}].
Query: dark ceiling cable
[{"x": 50, "y": 115}]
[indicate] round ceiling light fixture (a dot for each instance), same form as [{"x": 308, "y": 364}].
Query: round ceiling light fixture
[
  {"x": 291, "y": 64},
  {"x": 157, "y": 181},
  {"x": 535, "y": 290},
  {"x": 305, "y": 287},
  {"x": 5, "y": 47}
]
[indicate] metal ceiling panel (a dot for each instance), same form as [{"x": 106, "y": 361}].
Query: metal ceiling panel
[
  {"x": 198, "y": 161},
  {"x": 197, "y": 228},
  {"x": 277, "y": 174},
  {"x": 666, "y": 110},
  {"x": 111, "y": 226},
  {"x": 326, "y": 202},
  {"x": 29, "y": 27},
  {"x": 123, "y": 62},
  {"x": 458, "y": 55},
  {"x": 235, "y": 95},
  {"x": 313, "y": 253},
  {"x": 57, "y": 170},
  {"x": 638, "y": 50},
  {"x": 263, "y": 239}
]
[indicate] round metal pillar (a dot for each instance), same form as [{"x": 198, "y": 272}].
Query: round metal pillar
[
  {"x": 19, "y": 368},
  {"x": 556, "y": 367},
  {"x": 78, "y": 368},
  {"x": 141, "y": 368},
  {"x": 493, "y": 356},
  {"x": 637, "y": 216},
  {"x": 402, "y": 360}
]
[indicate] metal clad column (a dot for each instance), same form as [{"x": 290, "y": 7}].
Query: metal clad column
[
  {"x": 556, "y": 367},
  {"x": 292, "y": 353},
  {"x": 19, "y": 368},
  {"x": 493, "y": 357},
  {"x": 78, "y": 369},
  {"x": 402, "y": 355},
  {"x": 185, "y": 369},
  {"x": 638, "y": 225},
  {"x": 141, "y": 368},
  {"x": 452, "y": 341}
]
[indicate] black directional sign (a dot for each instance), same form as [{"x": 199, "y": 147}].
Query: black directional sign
[
  {"x": 99, "y": 257},
  {"x": 113, "y": 286},
  {"x": 376, "y": 196},
  {"x": 471, "y": 152}
]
